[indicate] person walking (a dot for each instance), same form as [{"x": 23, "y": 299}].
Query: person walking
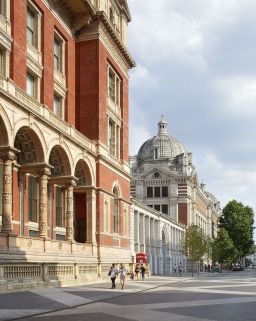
[
  {"x": 113, "y": 272},
  {"x": 142, "y": 271},
  {"x": 137, "y": 271},
  {"x": 180, "y": 269},
  {"x": 123, "y": 272},
  {"x": 175, "y": 269}
]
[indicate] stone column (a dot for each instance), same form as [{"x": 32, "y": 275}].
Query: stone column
[
  {"x": 91, "y": 216},
  {"x": 43, "y": 202},
  {"x": 70, "y": 212},
  {"x": 8, "y": 159}
]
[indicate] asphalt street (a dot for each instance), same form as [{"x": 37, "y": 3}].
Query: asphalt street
[{"x": 227, "y": 296}]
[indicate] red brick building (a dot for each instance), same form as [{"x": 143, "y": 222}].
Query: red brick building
[{"x": 64, "y": 172}]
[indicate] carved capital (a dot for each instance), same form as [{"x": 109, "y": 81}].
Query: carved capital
[
  {"x": 8, "y": 156},
  {"x": 44, "y": 172}
]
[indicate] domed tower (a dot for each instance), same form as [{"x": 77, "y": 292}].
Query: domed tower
[{"x": 163, "y": 175}]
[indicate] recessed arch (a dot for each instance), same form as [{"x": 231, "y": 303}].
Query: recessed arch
[
  {"x": 60, "y": 161},
  {"x": 116, "y": 190},
  {"x": 30, "y": 146},
  {"x": 4, "y": 139},
  {"x": 83, "y": 173}
]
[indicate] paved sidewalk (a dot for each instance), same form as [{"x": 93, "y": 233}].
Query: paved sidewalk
[{"x": 37, "y": 301}]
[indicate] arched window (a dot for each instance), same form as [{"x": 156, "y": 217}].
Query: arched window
[
  {"x": 106, "y": 218},
  {"x": 115, "y": 215}
]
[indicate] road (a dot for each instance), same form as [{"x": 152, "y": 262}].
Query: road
[{"x": 220, "y": 297}]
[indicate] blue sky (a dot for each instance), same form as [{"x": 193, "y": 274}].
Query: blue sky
[{"x": 196, "y": 65}]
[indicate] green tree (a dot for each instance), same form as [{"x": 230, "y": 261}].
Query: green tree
[
  {"x": 195, "y": 243},
  {"x": 224, "y": 248},
  {"x": 237, "y": 220}
]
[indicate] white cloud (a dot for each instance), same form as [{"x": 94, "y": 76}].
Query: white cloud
[
  {"x": 240, "y": 93},
  {"x": 196, "y": 64}
]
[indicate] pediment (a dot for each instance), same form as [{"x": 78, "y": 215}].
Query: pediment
[{"x": 150, "y": 174}]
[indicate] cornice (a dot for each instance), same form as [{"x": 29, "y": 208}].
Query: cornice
[{"x": 101, "y": 16}]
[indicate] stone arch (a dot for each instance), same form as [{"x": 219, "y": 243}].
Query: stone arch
[
  {"x": 88, "y": 164},
  {"x": 27, "y": 122},
  {"x": 4, "y": 138},
  {"x": 59, "y": 160},
  {"x": 30, "y": 146},
  {"x": 83, "y": 173}
]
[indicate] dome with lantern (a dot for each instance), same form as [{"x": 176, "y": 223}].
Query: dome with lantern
[{"x": 161, "y": 147}]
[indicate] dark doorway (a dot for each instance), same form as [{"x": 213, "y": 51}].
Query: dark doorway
[{"x": 80, "y": 224}]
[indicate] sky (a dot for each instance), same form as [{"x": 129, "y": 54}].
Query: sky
[{"x": 196, "y": 65}]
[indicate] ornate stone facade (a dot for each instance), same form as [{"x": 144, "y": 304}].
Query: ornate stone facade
[
  {"x": 165, "y": 179},
  {"x": 56, "y": 165}
]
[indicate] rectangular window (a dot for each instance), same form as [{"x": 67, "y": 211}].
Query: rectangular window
[
  {"x": 31, "y": 27},
  {"x": 57, "y": 106},
  {"x": 113, "y": 138},
  {"x": 33, "y": 233},
  {"x": 30, "y": 85},
  {"x": 156, "y": 153},
  {"x": 57, "y": 54},
  {"x": 149, "y": 192},
  {"x": 60, "y": 237},
  {"x": 114, "y": 86},
  {"x": 157, "y": 208},
  {"x": 165, "y": 191},
  {"x": 165, "y": 209},
  {"x": 157, "y": 191},
  {"x": 111, "y": 84},
  {"x": 1, "y": 188},
  {"x": 59, "y": 207},
  {"x": 32, "y": 199}
]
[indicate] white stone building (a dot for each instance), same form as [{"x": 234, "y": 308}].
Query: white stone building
[{"x": 164, "y": 179}]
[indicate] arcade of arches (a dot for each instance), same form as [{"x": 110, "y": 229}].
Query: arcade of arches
[{"x": 50, "y": 202}]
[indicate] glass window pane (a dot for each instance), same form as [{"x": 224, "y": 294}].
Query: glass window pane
[
  {"x": 56, "y": 54},
  {"x": 157, "y": 207},
  {"x": 32, "y": 199},
  {"x": 165, "y": 209},
  {"x": 30, "y": 19},
  {"x": 111, "y": 84},
  {"x": 30, "y": 85},
  {"x": 57, "y": 106},
  {"x": 30, "y": 27},
  {"x": 59, "y": 209},
  {"x": 165, "y": 191},
  {"x": 157, "y": 191},
  {"x": 149, "y": 192}
]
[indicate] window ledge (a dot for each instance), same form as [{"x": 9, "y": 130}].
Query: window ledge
[
  {"x": 34, "y": 54},
  {"x": 60, "y": 79}
]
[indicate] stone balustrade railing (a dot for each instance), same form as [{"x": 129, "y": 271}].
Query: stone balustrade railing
[{"x": 22, "y": 275}]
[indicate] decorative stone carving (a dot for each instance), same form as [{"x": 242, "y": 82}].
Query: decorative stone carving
[
  {"x": 69, "y": 212},
  {"x": 43, "y": 200},
  {"x": 8, "y": 158}
]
